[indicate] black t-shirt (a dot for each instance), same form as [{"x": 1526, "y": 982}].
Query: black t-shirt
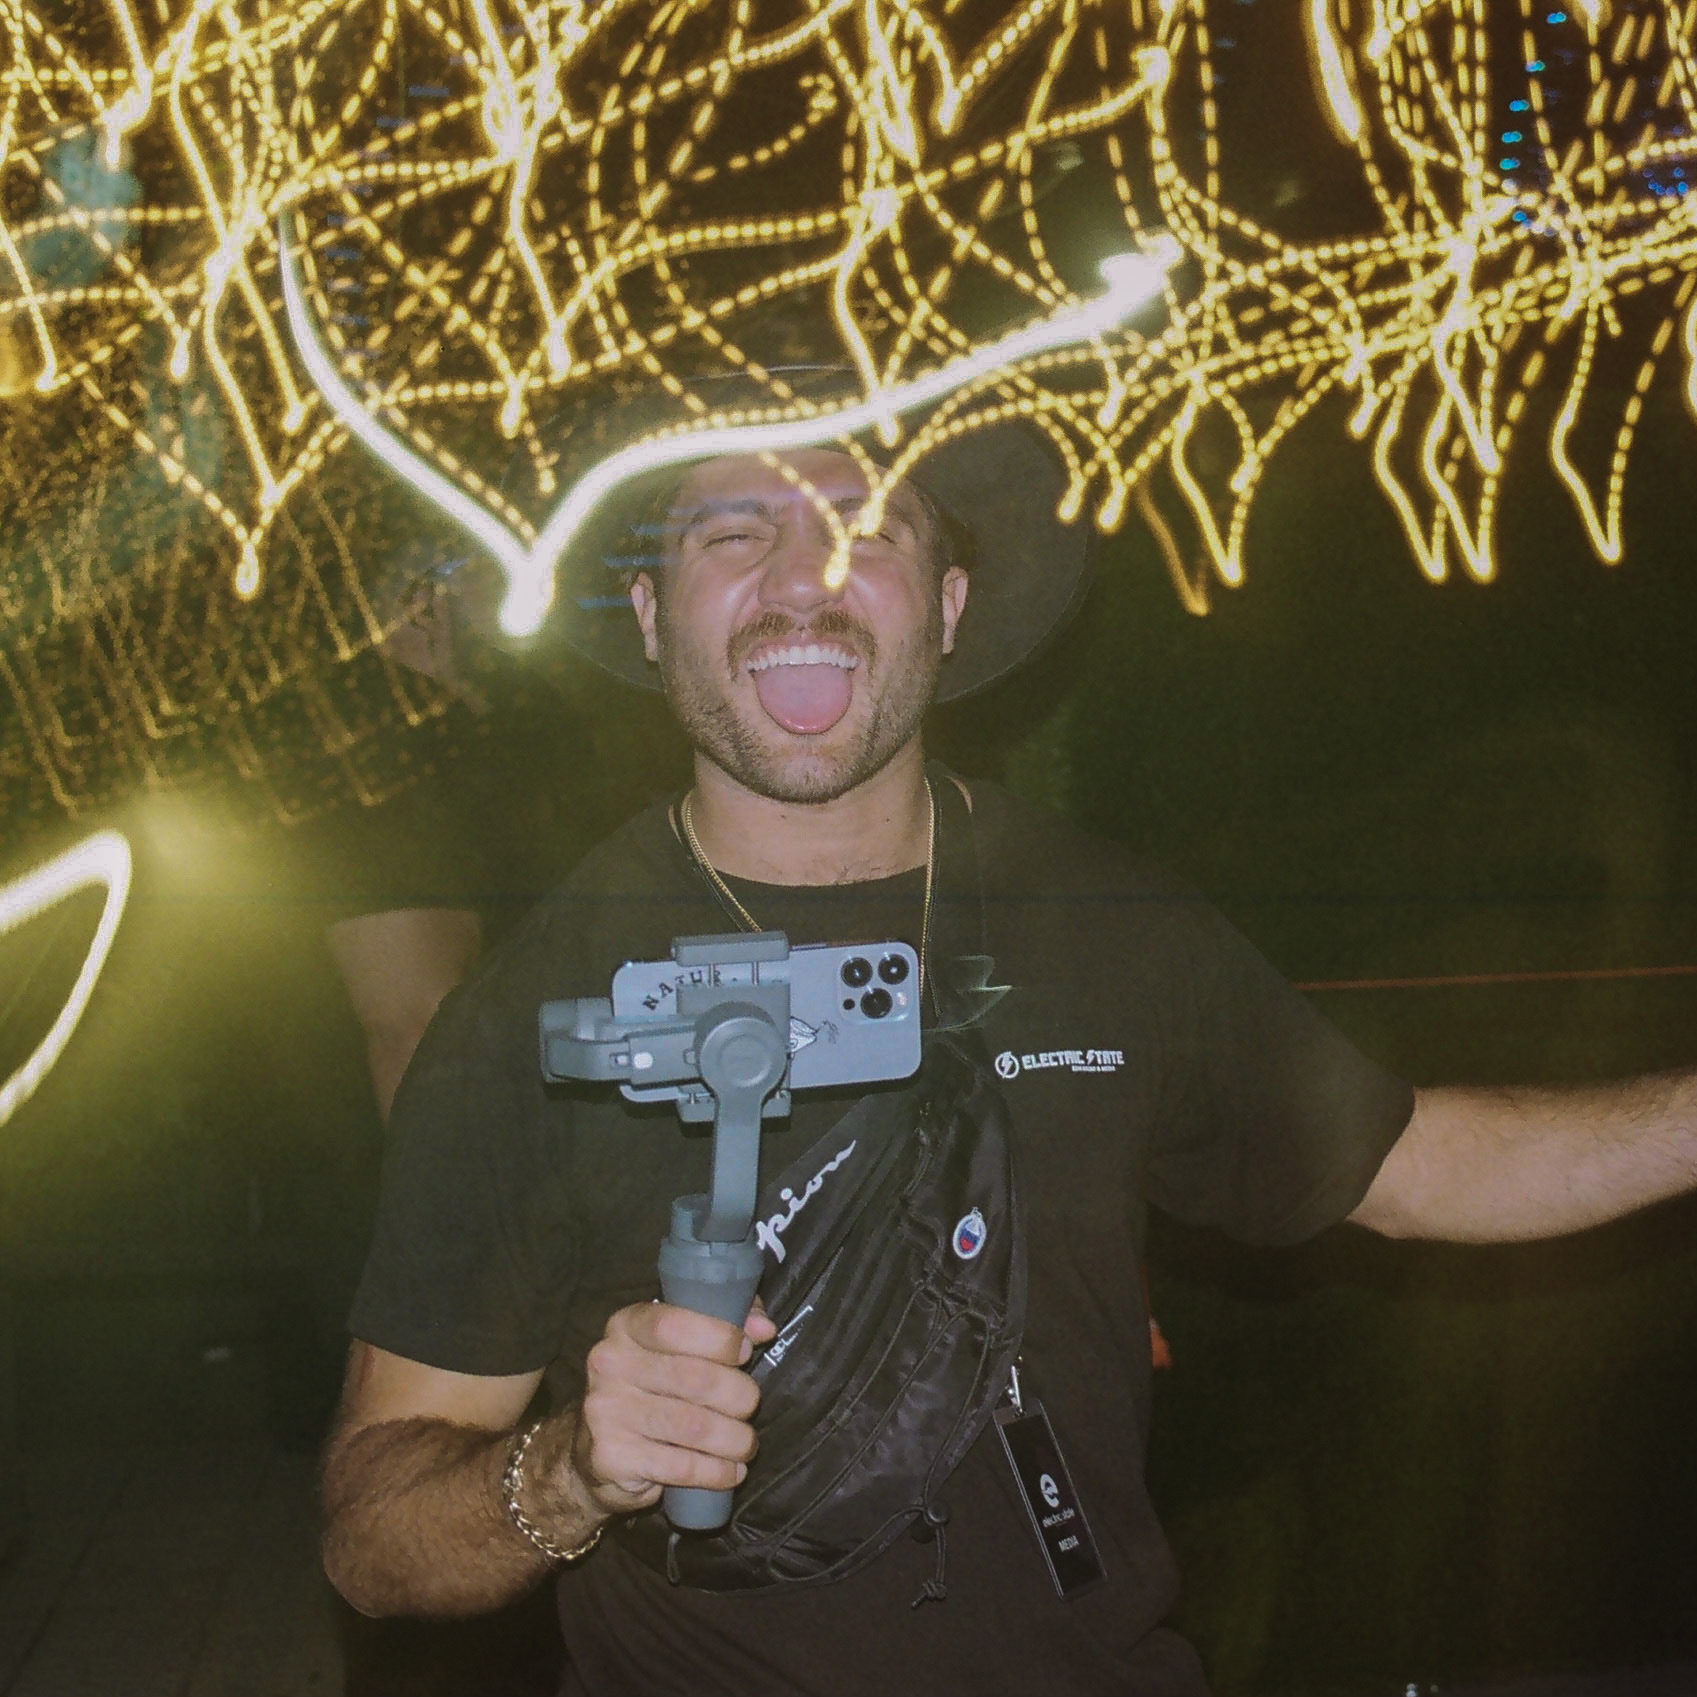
[{"x": 1148, "y": 1054}]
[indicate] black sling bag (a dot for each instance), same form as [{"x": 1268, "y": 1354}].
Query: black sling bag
[{"x": 896, "y": 1275}]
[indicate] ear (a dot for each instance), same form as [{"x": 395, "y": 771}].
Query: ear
[
  {"x": 953, "y": 591},
  {"x": 647, "y": 605}
]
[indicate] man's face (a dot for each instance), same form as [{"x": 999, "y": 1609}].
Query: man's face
[{"x": 797, "y": 691}]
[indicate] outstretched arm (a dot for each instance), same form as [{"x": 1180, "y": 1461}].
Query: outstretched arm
[{"x": 1480, "y": 1165}]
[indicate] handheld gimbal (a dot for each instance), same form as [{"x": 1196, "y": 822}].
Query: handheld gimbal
[{"x": 717, "y": 1030}]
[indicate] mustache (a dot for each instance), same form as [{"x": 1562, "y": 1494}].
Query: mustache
[{"x": 771, "y": 626}]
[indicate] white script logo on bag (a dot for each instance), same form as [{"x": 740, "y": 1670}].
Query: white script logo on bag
[
  {"x": 769, "y": 1233},
  {"x": 1010, "y": 1065}
]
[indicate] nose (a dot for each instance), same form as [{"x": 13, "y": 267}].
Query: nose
[{"x": 794, "y": 578}]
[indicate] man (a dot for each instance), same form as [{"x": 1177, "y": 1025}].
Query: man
[
  {"x": 1145, "y": 1053},
  {"x": 410, "y": 929}
]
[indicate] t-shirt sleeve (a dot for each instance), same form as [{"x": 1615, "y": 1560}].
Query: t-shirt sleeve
[
  {"x": 472, "y": 1254},
  {"x": 1273, "y": 1125}
]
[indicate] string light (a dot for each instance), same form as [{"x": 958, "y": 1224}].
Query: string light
[
  {"x": 102, "y": 860},
  {"x": 497, "y": 211},
  {"x": 1132, "y": 280}
]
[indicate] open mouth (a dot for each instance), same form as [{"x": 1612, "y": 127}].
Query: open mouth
[{"x": 805, "y": 687}]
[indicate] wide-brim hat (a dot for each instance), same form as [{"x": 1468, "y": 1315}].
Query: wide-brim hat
[{"x": 1000, "y": 485}]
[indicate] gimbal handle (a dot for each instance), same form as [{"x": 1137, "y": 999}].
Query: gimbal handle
[{"x": 710, "y": 1263}]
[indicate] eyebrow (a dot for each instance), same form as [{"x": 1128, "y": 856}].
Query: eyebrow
[
  {"x": 685, "y": 518},
  {"x": 682, "y": 519}
]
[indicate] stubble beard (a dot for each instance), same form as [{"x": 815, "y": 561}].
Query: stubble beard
[{"x": 771, "y": 762}]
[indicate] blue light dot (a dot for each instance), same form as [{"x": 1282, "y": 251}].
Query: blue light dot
[
  {"x": 1520, "y": 106},
  {"x": 1522, "y": 218},
  {"x": 1534, "y": 65},
  {"x": 1511, "y": 135},
  {"x": 1556, "y": 18},
  {"x": 1508, "y": 164},
  {"x": 1679, "y": 170},
  {"x": 1685, "y": 188}
]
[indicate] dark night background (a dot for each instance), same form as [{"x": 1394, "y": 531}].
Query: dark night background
[{"x": 1380, "y": 1463}]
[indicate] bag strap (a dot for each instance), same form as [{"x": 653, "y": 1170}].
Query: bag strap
[
  {"x": 807, "y": 1211},
  {"x": 959, "y": 920}
]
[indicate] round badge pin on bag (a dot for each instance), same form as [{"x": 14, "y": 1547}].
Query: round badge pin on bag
[{"x": 970, "y": 1233}]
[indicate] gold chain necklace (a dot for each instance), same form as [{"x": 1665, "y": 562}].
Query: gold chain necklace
[{"x": 750, "y": 923}]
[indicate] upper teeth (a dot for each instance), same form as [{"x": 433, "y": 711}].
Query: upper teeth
[{"x": 811, "y": 655}]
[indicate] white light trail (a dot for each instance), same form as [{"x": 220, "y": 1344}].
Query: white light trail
[
  {"x": 102, "y": 859},
  {"x": 1132, "y": 279},
  {"x": 1328, "y": 61}
]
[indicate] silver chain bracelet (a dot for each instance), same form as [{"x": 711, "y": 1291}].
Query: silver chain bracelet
[{"x": 512, "y": 1482}]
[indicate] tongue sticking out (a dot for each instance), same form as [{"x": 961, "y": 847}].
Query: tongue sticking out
[{"x": 805, "y": 700}]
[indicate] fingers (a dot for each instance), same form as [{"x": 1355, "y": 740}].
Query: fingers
[
  {"x": 666, "y": 1403},
  {"x": 636, "y": 1436},
  {"x": 664, "y": 1330},
  {"x": 701, "y": 1381},
  {"x": 628, "y": 1470}
]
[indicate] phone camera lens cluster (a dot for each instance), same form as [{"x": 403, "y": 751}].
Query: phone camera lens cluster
[{"x": 857, "y": 974}]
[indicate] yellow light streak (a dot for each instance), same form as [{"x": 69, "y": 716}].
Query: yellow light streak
[
  {"x": 1132, "y": 279},
  {"x": 1602, "y": 529},
  {"x": 101, "y": 860},
  {"x": 1333, "y": 78},
  {"x": 1689, "y": 340},
  {"x": 507, "y": 209},
  {"x": 129, "y": 110}
]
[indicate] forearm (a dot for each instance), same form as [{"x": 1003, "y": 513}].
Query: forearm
[
  {"x": 415, "y": 1519},
  {"x": 1491, "y": 1165}
]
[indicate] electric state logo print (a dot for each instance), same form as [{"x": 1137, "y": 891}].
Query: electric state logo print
[{"x": 1010, "y": 1065}]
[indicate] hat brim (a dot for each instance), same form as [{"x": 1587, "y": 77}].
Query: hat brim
[{"x": 1029, "y": 571}]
